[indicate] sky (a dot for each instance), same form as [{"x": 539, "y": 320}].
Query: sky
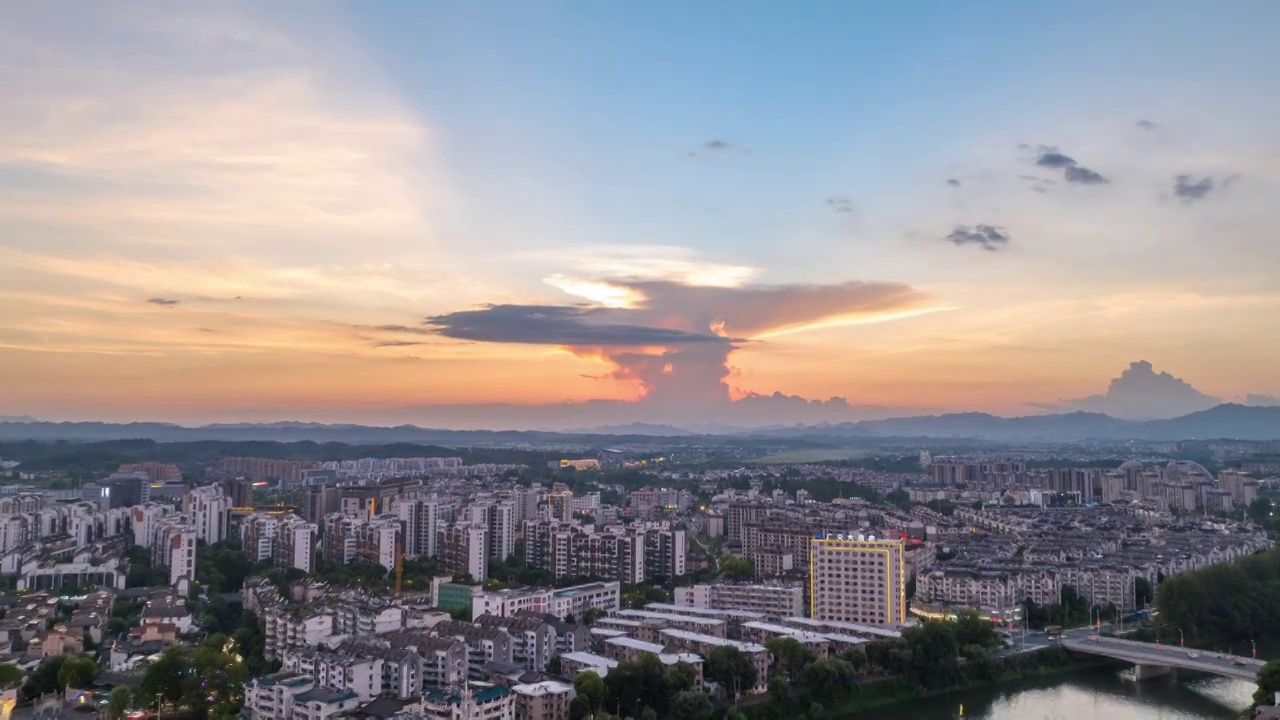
[{"x": 568, "y": 214}]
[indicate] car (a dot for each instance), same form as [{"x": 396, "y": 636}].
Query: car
[
  {"x": 1193, "y": 655},
  {"x": 1237, "y": 661}
]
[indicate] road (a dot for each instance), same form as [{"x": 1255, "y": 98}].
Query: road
[{"x": 1140, "y": 653}]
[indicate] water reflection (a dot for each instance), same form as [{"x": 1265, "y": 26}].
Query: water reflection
[{"x": 1095, "y": 695}]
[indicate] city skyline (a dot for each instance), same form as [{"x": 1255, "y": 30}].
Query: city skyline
[{"x": 567, "y": 216}]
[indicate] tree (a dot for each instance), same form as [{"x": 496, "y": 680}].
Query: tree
[
  {"x": 591, "y": 689},
  {"x": 898, "y": 497},
  {"x": 1268, "y": 683},
  {"x": 122, "y": 698},
  {"x": 690, "y": 705},
  {"x": 790, "y": 653},
  {"x": 827, "y": 679},
  {"x": 77, "y": 673},
  {"x": 730, "y": 667},
  {"x": 737, "y": 568},
  {"x": 680, "y": 677},
  {"x": 1142, "y": 593},
  {"x": 972, "y": 629},
  {"x": 555, "y": 666},
  {"x": 44, "y": 679},
  {"x": 1260, "y": 511},
  {"x": 10, "y": 675}
]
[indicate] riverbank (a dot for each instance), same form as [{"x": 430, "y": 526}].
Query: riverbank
[{"x": 885, "y": 692}]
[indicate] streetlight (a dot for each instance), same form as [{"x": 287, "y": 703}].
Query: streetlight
[{"x": 158, "y": 696}]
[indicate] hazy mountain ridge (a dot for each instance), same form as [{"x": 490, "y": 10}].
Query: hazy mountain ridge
[{"x": 1228, "y": 421}]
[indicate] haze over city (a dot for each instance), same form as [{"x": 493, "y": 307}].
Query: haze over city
[{"x": 567, "y": 215}]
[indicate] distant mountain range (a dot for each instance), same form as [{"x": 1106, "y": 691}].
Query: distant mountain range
[{"x": 1229, "y": 421}]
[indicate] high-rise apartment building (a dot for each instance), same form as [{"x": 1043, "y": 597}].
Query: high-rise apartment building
[
  {"x": 288, "y": 540},
  {"x": 463, "y": 547},
  {"x": 560, "y": 505},
  {"x": 627, "y": 554},
  {"x": 377, "y": 540},
  {"x": 295, "y": 545},
  {"x": 742, "y": 513},
  {"x": 499, "y": 517},
  {"x": 421, "y": 517},
  {"x": 209, "y": 509},
  {"x": 173, "y": 545},
  {"x": 127, "y": 489},
  {"x": 258, "y": 536},
  {"x": 857, "y": 579}
]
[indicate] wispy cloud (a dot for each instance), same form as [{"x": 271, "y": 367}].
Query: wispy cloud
[{"x": 166, "y": 302}]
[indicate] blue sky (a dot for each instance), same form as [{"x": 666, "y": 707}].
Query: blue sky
[{"x": 297, "y": 177}]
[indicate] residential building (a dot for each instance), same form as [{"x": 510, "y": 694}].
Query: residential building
[
  {"x": 464, "y": 548},
  {"x": 857, "y": 579},
  {"x": 546, "y": 700},
  {"x": 421, "y": 518},
  {"x": 771, "y": 599}
]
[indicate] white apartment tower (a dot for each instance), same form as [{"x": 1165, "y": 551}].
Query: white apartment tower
[
  {"x": 857, "y": 579},
  {"x": 295, "y": 545},
  {"x": 209, "y": 508},
  {"x": 499, "y": 517}
]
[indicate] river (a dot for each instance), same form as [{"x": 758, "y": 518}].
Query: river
[{"x": 1087, "y": 695}]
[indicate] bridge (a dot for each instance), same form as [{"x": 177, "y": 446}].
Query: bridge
[{"x": 1151, "y": 656}]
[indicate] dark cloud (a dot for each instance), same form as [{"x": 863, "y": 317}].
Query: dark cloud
[
  {"x": 1072, "y": 171},
  {"x": 558, "y": 325},
  {"x": 953, "y": 182},
  {"x": 1083, "y": 175},
  {"x": 1051, "y": 158},
  {"x": 675, "y": 343},
  {"x": 397, "y": 343},
  {"x": 1146, "y": 125},
  {"x": 840, "y": 203},
  {"x": 1189, "y": 189},
  {"x": 716, "y": 145},
  {"x": 165, "y": 302},
  {"x": 990, "y": 237},
  {"x": 1141, "y": 393},
  {"x": 205, "y": 330}
]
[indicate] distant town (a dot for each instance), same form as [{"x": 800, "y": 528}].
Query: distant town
[{"x": 444, "y": 587}]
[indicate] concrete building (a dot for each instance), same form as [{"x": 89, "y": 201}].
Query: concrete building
[
  {"x": 464, "y": 548},
  {"x": 499, "y": 518},
  {"x": 629, "y": 554},
  {"x": 421, "y": 518},
  {"x": 771, "y": 599},
  {"x": 209, "y": 509},
  {"x": 546, "y": 700},
  {"x": 857, "y": 579},
  {"x": 295, "y": 545}
]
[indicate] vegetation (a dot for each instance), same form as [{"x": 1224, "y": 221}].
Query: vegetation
[
  {"x": 730, "y": 667},
  {"x": 1072, "y": 610},
  {"x": 141, "y": 573},
  {"x": 737, "y": 568},
  {"x": 1268, "y": 683},
  {"x": 86, "y": 458},
  {"x": 10, "y": 676},
  {"x": 208, "y": 681},
  {"x": 223, "y": 567},
  {"x": 1226, "y": 603},
  {"x": 636, "y": 687}
]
